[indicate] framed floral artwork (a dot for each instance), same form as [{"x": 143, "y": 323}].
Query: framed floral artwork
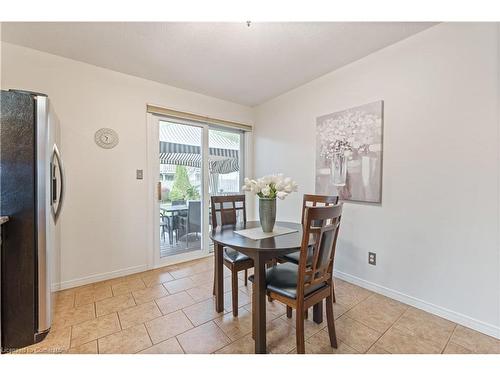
[{"x": 349, "y": 153}]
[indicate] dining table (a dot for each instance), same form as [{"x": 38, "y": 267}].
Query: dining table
[
  {"x": 169, "y": 211},
  {"x": 261, "y": 252},
  {"x": 173, "y": 209}
]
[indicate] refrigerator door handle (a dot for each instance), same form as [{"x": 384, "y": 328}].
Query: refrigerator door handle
[{"x": 56, "y": 156}]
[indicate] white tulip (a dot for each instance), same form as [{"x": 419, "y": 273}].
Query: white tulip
[
  {"x": 279, "y": 186},
  {"x": 281, "y": 195},
  {"x": 260, "y": 184},
  {"x": 275, "y": 184},
  {"x": 255, "y": 187},
  {"x": 266, "y": 180},
  {"x": 277, "y": 178},
  {"x": 266, "y": 190}
]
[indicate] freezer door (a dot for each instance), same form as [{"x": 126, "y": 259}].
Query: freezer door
[
  {"x": 56, "y": 200},
  {"x": 51, "y": 172}
]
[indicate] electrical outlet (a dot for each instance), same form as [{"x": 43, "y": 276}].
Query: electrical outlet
[
  {"x": 372, "y": 259},
  {"x": 139, "y": 174}
]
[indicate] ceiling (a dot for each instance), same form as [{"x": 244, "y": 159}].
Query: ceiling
[{"x": 231, "y": 61}]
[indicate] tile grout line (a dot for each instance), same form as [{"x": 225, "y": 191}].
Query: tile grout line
[
  {"x": 178, "y": 342},
  {"x": 109, "y": 334},
  {"x": 449, "y": 338},
  {"x": 382, "y": 335},
  {"x": 119, "y": 321},
  {"x": 158, "y": 306},
  {"x": 70, "y": 336},
  {"x": 415, "y": 334},
  {"x": 150, "y": 339}
]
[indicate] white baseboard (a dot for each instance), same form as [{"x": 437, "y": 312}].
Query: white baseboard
[
  {"x": 467, "y": 321},
  {"x": 99, "y": 277}
]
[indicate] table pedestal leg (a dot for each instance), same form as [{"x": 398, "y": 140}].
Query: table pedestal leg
[{"x": 260, "y": 305}]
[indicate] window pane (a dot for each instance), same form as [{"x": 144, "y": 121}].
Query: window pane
[
  {"x": 181, "y": 188},
  {"x": 225, "y": 161}
]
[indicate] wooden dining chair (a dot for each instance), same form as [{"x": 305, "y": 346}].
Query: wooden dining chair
[
  {"x": 306, "y": 284},
  {"x": 224, "y": 210},
  {"x": 310, "y": 200}
]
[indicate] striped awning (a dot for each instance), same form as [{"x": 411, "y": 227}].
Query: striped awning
[{"x": 220, "y": 160}]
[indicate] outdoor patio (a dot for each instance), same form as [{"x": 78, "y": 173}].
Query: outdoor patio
[
  {"x": 166, "y": 249},
  {"x": 181, "y": 181}
]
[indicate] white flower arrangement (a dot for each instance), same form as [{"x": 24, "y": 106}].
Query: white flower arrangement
[{"x": 272, "y": 186}]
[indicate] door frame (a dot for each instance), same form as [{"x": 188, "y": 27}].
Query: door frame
[{"x": 153, "y": 167}]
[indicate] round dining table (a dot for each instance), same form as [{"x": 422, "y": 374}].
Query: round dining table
[{"x": 261, "y": 252}]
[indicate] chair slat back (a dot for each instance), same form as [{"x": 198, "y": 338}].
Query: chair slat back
[
  {"x": 194, "y": 214},
  {"x": 323, "y": 223},
  {"x": 311, "y": 200},
  {"x": 228, "y": 209}
]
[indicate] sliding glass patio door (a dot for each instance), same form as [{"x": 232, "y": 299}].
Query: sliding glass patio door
[
  {"x": 177, "y": 165},
  {"x": 189, "y": 162},
  {"x": 225, "y": 166}
]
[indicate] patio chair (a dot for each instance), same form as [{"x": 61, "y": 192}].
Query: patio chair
[
  {"x": 166, "y": 226},
  {"x": 192, "y": 221}
]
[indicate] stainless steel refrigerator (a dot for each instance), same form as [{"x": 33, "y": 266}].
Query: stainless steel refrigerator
[{"x": 32, "y": 191}]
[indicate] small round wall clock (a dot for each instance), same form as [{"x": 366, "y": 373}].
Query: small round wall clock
[{"x": 106, "y": 138}]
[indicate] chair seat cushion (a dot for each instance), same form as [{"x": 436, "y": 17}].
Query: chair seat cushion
[
  {"x": 295, "y": 257},
  {"x": 282, "y": 279},
  {"x": 234, "y": 256}
]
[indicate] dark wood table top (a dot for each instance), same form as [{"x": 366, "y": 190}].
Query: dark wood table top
[{"x": 226, "y": 236}]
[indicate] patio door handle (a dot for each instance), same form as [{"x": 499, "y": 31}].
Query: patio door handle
[{"x": 158, "y": 190}]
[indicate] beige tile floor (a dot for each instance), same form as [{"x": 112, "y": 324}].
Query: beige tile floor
[{"x": 171, "y": 310}]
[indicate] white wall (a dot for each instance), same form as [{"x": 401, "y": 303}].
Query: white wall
[
  {"x": 436, "y": 233},
  {"x": 104, "y": 219}
]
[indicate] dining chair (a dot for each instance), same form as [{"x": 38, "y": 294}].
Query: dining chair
[
  {"x": 310, "y": 200},
  {"x": 226, "y": 210},
  {"x": 306, "y": 284}
]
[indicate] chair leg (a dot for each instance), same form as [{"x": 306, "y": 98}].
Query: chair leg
[
  {"x": 246, "y": 276},
  {"x": 234, "y": 291},
  {"x": 331, "y": 322},
  {"x": 253, "y": 311},
  {"x": 289, "y": 312},
  {"x": 213, "y": 289},
  {"x": 333, "y": 293},
  {"x": 299, "y": 327},
  {"x": 269, "y": 265},
  {"x": 306, "y": 314}
]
